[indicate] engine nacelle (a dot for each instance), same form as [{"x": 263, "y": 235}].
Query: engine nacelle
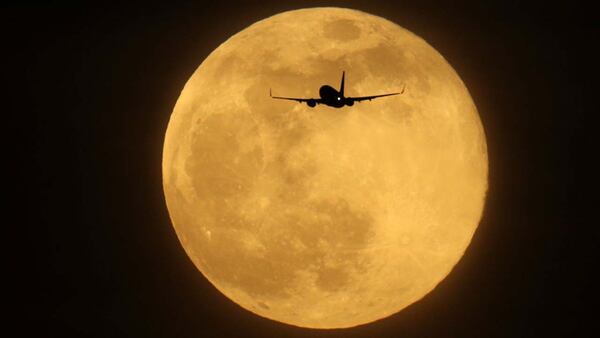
[
  {"x": 349, "y": 102},
  {"x": 311, "y": 103}
]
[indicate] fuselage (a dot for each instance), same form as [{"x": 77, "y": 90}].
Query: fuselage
[{"x": 333, "y": 98}]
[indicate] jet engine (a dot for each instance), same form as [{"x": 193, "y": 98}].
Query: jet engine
[
  {"x": 349, "y": 102},
  {"x": 311, "y": 103}
]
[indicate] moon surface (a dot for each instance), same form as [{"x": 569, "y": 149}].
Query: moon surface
[{"x": 323, "y": 217}]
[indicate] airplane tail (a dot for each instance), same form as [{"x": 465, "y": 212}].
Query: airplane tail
[{"x": 342, "y": 84}]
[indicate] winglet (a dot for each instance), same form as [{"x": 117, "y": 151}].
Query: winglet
[
  {"x": 271, "y": 95},
  {"x": 342, "y": 84}
]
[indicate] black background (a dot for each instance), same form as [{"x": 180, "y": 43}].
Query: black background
[{"x": 91, "y": 250}]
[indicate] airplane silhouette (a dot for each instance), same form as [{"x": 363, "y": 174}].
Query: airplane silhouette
[{"x": 332, "y": 97}]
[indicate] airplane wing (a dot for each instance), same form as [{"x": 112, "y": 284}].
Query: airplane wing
[
  {"x": 301, "y": 100},
  {"x": 296, "y": 99},
  {"x": 363, "y": 98}
]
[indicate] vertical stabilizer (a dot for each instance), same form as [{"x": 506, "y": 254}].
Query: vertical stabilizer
[{"x": 342, "y": 84}]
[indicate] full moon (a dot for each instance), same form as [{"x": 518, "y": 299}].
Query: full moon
[{"x": 323, "y": 217}]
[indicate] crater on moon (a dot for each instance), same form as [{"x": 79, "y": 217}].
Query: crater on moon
[
  {"x": 343, "y": 30},
  {"x": 324, "y": 217}
]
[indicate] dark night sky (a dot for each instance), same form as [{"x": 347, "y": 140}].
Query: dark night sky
[{"x": 91, "y": 249}]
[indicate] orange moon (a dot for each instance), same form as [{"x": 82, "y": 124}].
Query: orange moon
[{"x": 323, "y": 217}]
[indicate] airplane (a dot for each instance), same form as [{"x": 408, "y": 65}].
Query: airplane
[{"x": 332, "y": 97}]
